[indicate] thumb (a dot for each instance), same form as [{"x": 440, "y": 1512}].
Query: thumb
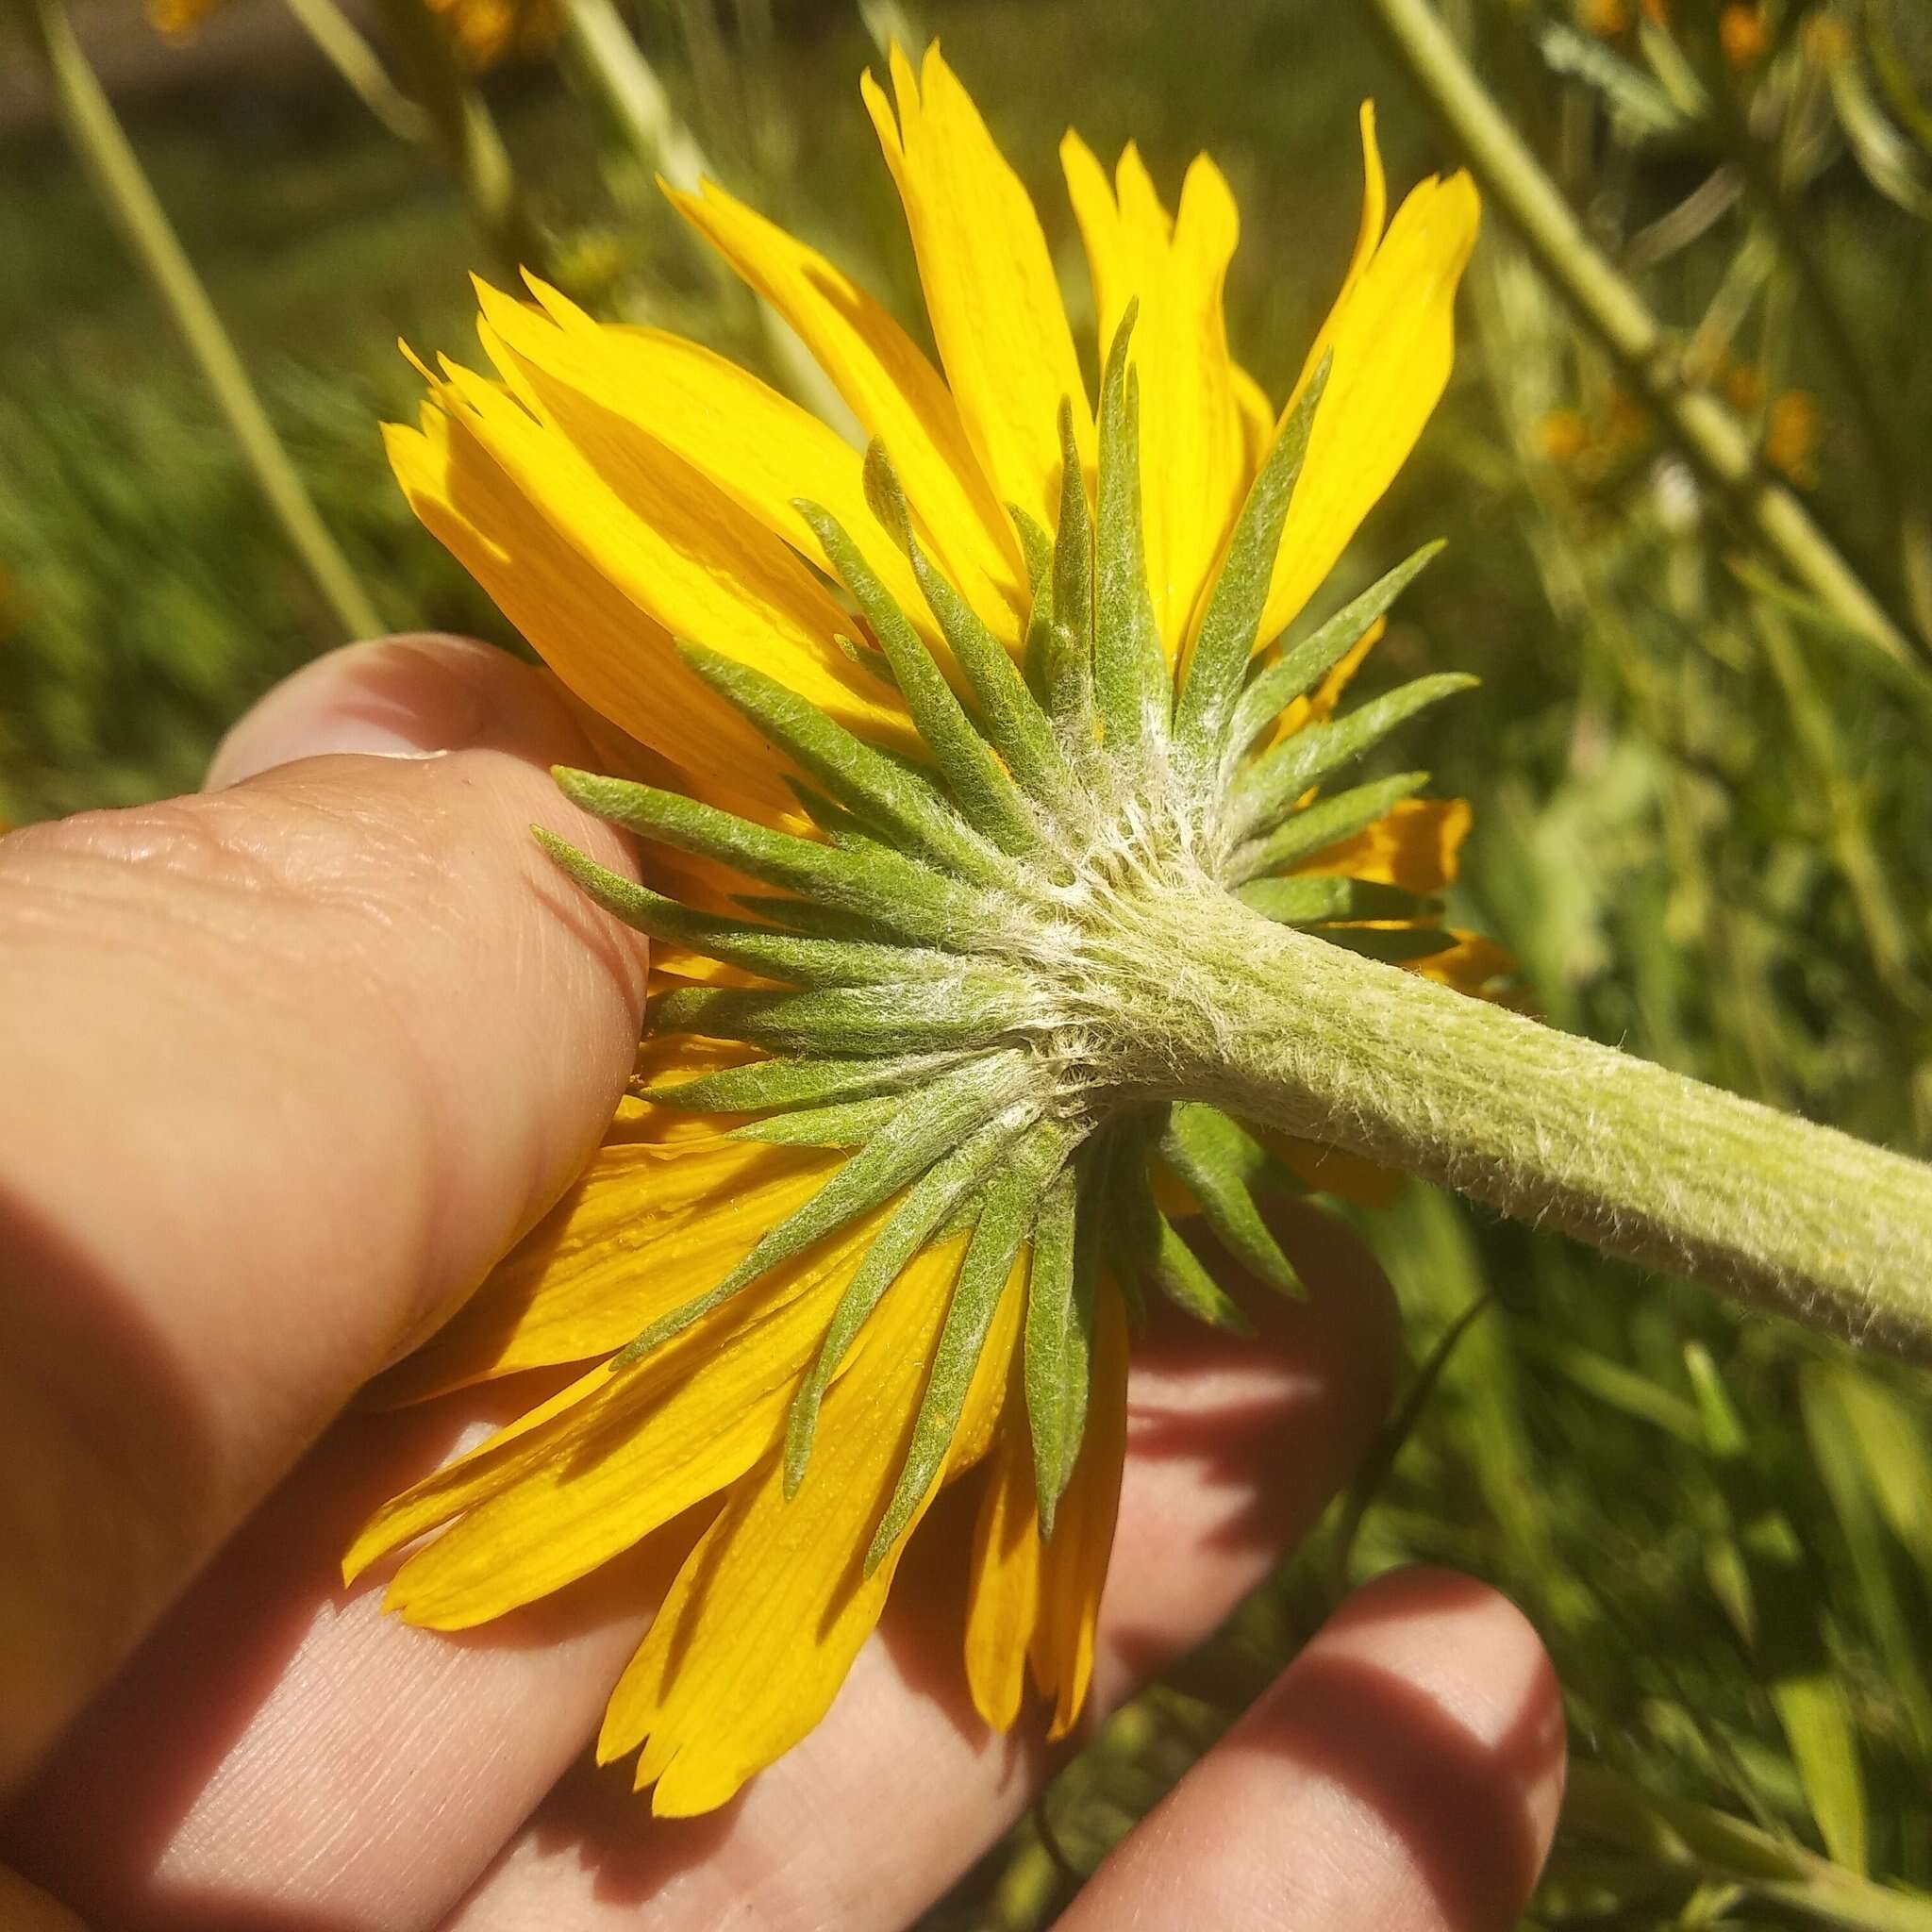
[{"x": 288, "y": 1065}]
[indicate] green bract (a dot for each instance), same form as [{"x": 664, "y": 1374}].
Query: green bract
[{"x": 941, "y": 997}]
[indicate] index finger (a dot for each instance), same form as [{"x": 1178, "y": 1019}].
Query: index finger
[{"x": 287, "y": 1066}]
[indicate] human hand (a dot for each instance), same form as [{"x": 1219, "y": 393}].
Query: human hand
[{"x": 286, "y": 1066}]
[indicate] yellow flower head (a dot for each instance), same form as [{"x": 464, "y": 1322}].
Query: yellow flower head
[
  {"x": 935, "y": 736},
  {"x": 489, "y": 32},
  {"x": 180, "y": 19}
]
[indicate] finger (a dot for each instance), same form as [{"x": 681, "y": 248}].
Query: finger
[
  {"x": 348, "y": 1729},
  {"x": 286, "y": 1066},
  {"x": 1403, "y": 1775}
]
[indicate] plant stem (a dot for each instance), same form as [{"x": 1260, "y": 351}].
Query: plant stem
[
  {"x": 342, "y": 46},
  {"x": 610, "y": 61},
  {"x": 473, "y": 150},
  {"x": 1639, "y": 1161},
  {"x": 1709, "y": 434},
  {"x": 100, "y": 141}
]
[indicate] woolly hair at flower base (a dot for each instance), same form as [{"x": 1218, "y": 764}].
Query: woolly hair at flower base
[{"x": 939, "y": 746}]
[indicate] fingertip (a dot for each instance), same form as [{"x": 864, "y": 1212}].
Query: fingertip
[
  {"x": 410, "y": 696},
  {"x": 1404, "y": 1772}
]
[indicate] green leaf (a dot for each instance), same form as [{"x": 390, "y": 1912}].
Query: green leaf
[
  {"x": 880, "y": 793},
  {"x": 898, "y": 893},
  {"x": 798, "y": 1083},
  {"x": 983, "y": 789},
  {"x": 1019, "y": 730},
  {"x": 920, "y": 1218},
  {"x": 968, "y": 1009},
  {"x": 1231, "y": 624},
  {"x": 1062, "y": 1290},
  {"x": 933, "y": 1120},
  {"x": 1325, "y": 822},
  {"x": 1847, "y": 1481},
  {"x": 1271, "y": 786},
  {"x": 1317, "y": 901},
  {"x": 1222, "y": 1166},
  {"x": 1149, "y": 1244},
  {"x": 1011, "y": 1201},
  {"x": 757, "y": 948},
  {"x": 1131, "y": 688},
  {"x": 1298, "y": 671}
]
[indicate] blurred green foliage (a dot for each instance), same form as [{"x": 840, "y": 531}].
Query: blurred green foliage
[{"x": 1705, "y": 824}]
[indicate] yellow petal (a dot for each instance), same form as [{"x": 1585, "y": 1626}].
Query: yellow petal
[
  {"x": 1332, "y": 1170},
  {"x": 1319, "y": 703},
  {"x": 1194, "y": 455},
  {"x": 1415, "y": 846},
  {"x": 1374, "y": 211},
  {"x": 1392, "y": 336},
  {"x": 760, "y": 448},
  {"x": 989, "y": 281},
  {"x": 1073, "y": 1567},
  {"x": 1257, "y": 419},
  {"x": 652, "y": 1224},
  {"x": 676, "y": 546},
  {"x": 767, "y": 1613},
  {"x": 583, "y": 626},
  {"x": 892, "y": 390},
  {"x": 1003, "y": 1604},
  {"x": 685, "y": 1423},
  {"x": 1469, "y": 965}
]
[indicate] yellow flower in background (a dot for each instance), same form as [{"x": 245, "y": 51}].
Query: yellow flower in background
[
  {"x": 484, "y": 31},
  {"x": 180, "y": 19},
  {"x": 488, "y": 31},
  {"x": 915, "y": 727}
]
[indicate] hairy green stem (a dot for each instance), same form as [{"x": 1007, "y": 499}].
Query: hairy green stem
[
  {"x": 98, "y": 138},
  {"x": 1640, "y": 1163},
  {"x": 1707, "y": 432}
]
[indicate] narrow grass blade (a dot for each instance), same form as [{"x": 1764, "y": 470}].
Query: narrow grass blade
[
  {"x": 905, "y": 898},
  {"x": 920, "y": 1218},
  {"x": 1010, "y": 1203},
  {"x": 1278, "y": 778},
  {"x": 1325, "y": 822},
  {"x": 1062, "y": 1288},
  {"x": 1298, "y": 671},
  {"x": 934, "y": 1120},
  {"x": 1222, "y": 1166},
  {"x": 1231, "y": 626},
  {"x": 981, "y": 787}
]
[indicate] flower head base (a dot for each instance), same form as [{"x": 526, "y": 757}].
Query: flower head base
[{"x": 907, "y": 1147}]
